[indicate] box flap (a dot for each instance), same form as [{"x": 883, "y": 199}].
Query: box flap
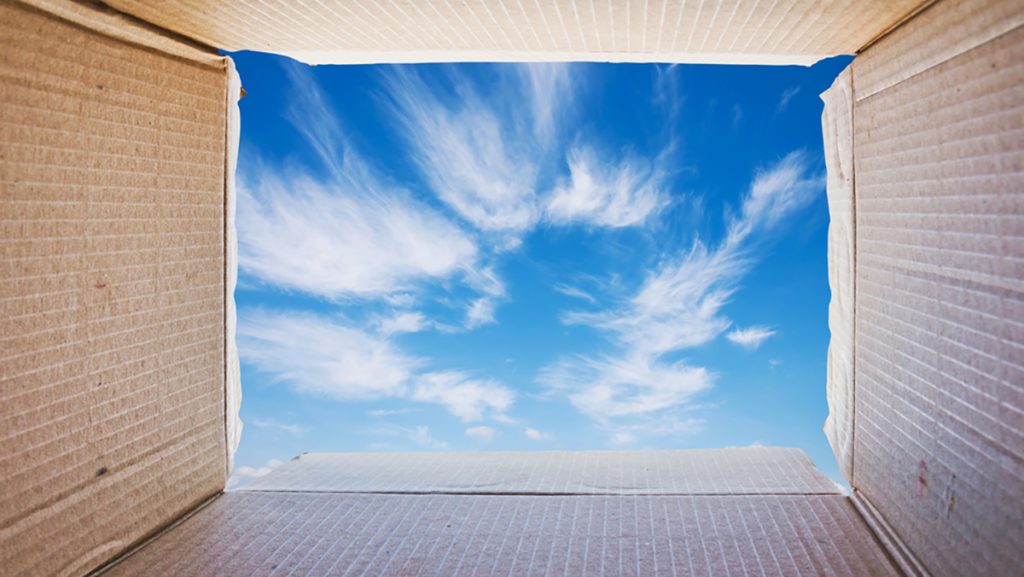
[
  {"x": 738, "y": 471},
  {"x": 794, "y": 32}
]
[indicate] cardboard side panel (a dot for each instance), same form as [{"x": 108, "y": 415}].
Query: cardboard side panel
[
  {"x": 744, "y": 471},
  {"x": 243, "y": 534},
  {"x": 111, "y": 291},
  {"x": 837, "y": 131},
  {"x": 738, "y": 31},
  {"x": 940, "y": 297}
]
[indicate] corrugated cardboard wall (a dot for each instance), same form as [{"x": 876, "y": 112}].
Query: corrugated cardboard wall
[
  {"x": 939, "y": 156},
  {"x": 112, "y": 180},
  {"x": 728, "y": 31}
]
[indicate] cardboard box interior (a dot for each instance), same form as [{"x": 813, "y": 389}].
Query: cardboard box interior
[{"x": 118, "y": 125}]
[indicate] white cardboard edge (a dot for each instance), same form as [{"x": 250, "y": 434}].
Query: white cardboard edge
[{"x": 232, "y": 371}]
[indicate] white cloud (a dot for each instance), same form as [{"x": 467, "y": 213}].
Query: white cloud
[
  {"x": 350, "y": 234},
  {"x": 481, "y": 433},
  {"x": 750, "y": 338},
  {"x": 390, "y": 412},
  {"x": 466, "y": 398},
  {"x": 548, "y": 83},
  {"x": 613, "y": 387},
  {"x": 571, "y": 291},
  {"x": 402, "y": 322},
  {"x": 332, "y": 359},
  {"x": 679, "y": 306},
  {"x": 273, "y": 424},
  {"x": 535, "y": 435},
  {"x": 787, "y": 95},
  {"x": 422, "y": 437},
  {"x": 340, "y": 240},
  {"x": 323, "y": 357},
  {"x": 482, "y": 167},
  {"x": 605, "y": 193},
  {"x": 241, "y": 475}
]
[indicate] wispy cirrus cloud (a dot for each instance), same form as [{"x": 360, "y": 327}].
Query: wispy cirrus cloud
[
  {"x": 606, "y": 193},
  {"x": 751, "y": 337},
  {"x": 351, "y": 233},
  {"x": 475, "y": 159},
  {"x": 468, "y": 398},
  {"x": 679, "y": 306},
  {"x": 337, "y": 360},
  {"x": 324, "y": 357}
]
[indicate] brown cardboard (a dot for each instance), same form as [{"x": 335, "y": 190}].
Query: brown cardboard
[
  {"x": 341, "y": 528},
  {"x": 940, "y": 290},
  {"x": 118, "y": 375},
  {"x": 712, "y": 31},
  {"x": 111, "y": 288}
]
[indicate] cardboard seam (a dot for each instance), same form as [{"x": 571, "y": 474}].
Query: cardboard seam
[
  {"x": 889, "y": 540},
  {"x": 897, "y": 24},
  {"x": 159, "y": 532},
  {"x": 99, "y": 6}
]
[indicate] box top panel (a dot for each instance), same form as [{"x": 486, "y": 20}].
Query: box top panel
[
  {"x": 739, "y": 471},
  {"x": 738, "y": 31}
]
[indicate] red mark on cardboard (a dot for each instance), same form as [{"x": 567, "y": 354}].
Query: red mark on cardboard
[
  {"x": 922, "y": 477},
  {"x": 100, "y": 284}
]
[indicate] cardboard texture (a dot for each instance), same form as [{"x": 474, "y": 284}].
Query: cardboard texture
[
  {"x": 119, "y": 382},
  {"x": 837, "y": 135},
  {"x": 714, "y": 31},
  {"x": 342, "y": 528},
  {"x": 940, "y": 290},
  {"x": 739, "y": 471},
  {"x": 111, "y": 292}
]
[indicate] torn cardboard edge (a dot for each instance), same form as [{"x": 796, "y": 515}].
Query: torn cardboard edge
[
  {"x": 837, "y": 137},
  {"x": 232, "y": 367}
]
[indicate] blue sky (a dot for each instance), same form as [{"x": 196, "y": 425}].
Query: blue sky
[{"x": 531, "y": 257}]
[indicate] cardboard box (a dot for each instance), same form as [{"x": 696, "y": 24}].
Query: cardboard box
[{"x": 119, "y": 387}]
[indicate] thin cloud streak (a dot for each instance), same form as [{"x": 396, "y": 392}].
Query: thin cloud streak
[{"x": 751, "y": 337}]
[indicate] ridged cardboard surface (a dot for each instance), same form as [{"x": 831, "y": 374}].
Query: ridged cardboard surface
[
  {"x": 940, "y": 288},
  {"x": 734, "y": 31},
  {"x": 837, "y": 134},
  {"x": 476, "y": 533},
  {"x": 111, "y": 291},
  {"x": 739, "y": 471}
]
